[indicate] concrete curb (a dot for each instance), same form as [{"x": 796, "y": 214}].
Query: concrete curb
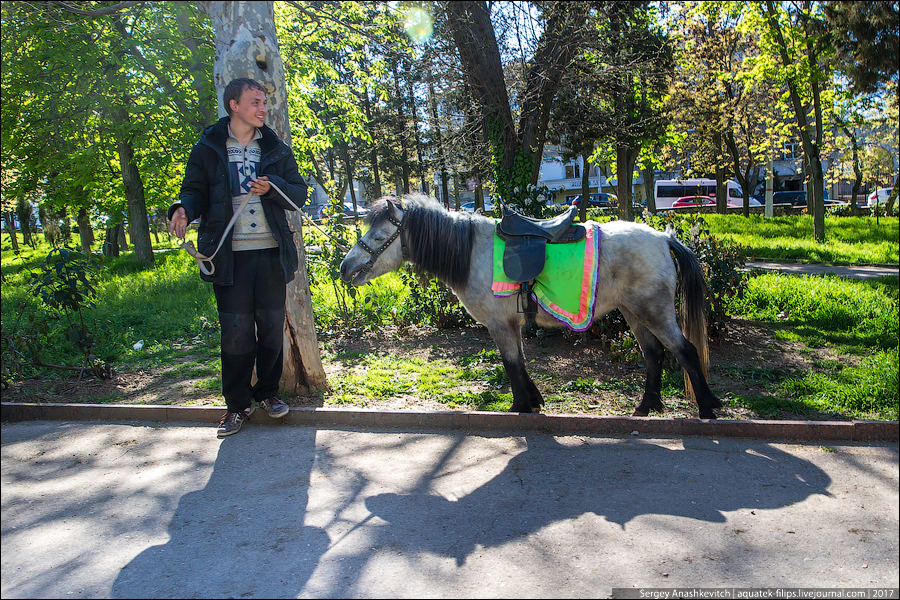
[{"x": 844, "y": 431}]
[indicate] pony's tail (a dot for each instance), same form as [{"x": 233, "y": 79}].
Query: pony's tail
[{"x": 692, "y": 290}]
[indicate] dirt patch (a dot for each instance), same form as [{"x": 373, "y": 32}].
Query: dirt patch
[{"x": 576, "y": 374}]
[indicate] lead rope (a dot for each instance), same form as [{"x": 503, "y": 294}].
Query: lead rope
[{"x": 188, "y": 245}]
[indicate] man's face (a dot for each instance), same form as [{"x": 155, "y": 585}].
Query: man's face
[{"x": 251, "y": 109}]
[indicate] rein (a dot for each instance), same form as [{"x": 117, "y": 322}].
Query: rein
[{"x": 188, "y": 246}]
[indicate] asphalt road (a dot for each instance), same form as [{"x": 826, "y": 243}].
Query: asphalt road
[{"x": 99, "y": 510}]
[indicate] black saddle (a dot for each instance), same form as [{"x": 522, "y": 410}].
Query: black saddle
[{"x": 526, "y": 241}]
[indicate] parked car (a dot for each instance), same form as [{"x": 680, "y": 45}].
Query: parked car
[
  {"x": 686, "y": 201},
  {"x": 879, "y": 196},
  {"x": 600, "y": 200},
  {"x": 347, "y": 207},
  {"x": 796, "y": 198},
  {"x": 470, "y": 206}
]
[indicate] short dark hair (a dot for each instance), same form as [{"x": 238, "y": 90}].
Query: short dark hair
[{"x": 235, "y": 89}]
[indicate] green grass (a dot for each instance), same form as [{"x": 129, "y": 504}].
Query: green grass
[
  {"x": 848, "y": 240},
  {"x": 167, "y": 306},
  {"x": 826, "y": 310},
  {"x": 384, "y": 376},
  {"x": 852, "y": 318}
]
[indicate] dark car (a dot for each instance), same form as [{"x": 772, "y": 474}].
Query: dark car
[
  {"x": 796, "y": 198},
  {"x": 600, "y": 200},
  {"x": 347, "y": 208}
]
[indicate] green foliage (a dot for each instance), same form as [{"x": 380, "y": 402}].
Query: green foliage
[
  {"x": 168, "y": 307},
  {"x": 533, "y": 201},
  {"x": 340, "y": 307},
  {"x": 66, "y": 81},
  {"x": 512, "y": 184},
  {"x": 429, "y": 301},
  {"x": 62, "y": 283}
]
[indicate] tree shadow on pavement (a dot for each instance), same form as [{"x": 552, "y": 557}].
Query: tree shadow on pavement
[{"x": 242, "y": 535}]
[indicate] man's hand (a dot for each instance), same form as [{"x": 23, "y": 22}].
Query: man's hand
[
  {"x": 178, "y": 224},
  {"x": 260, "y": 185}
]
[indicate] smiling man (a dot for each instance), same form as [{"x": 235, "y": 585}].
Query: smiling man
[{"x": 237, "y": 156}]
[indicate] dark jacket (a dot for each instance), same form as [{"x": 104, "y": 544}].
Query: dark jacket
[{"x": 206, "y": 193}]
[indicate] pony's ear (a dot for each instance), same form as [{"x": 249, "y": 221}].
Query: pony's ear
[{"x": 396, "y": 208}]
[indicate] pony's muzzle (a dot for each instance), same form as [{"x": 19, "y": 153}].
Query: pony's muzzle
[{"x": 349, "y": 271}]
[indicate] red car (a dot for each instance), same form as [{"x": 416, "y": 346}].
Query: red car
[{"x": 685, "y": 201}]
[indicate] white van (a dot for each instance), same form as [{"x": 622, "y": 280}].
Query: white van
[{"x": 667, "y": 191}]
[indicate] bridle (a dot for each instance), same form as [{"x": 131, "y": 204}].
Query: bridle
[{"x": 376, "y": 253}]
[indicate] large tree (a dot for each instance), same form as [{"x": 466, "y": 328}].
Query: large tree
[
  {"x": 247, "y": 46},
  {"x": 516, "y": 144},
  {"x": 109, "y": 113},
  {"x": 867, "y": 41},
  {"x": 719, "y": 111},
  {"x": 796, "y": 52},
  {"x": 634, "y": 65}
]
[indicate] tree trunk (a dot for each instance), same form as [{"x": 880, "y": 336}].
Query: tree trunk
[
  {"x": 585, "y": 186},
  {"x": 246, "y": 46},
  {"x": 111, "y": 241},
  {"x": 857, "y": 172},
  {"x": 816, "y": 201},
  {"x": 892, "y": 198},
  {"x": 11, "y": 230},
  {"x": 375, "y": 171},
  {"x": 473, "y": 34},
  {"x": 138, "y": 226},
  {"x": 400, "y": 129},
  {"x": 625, "y": 159},
  {"x": 420, "y": 161},
  {"x": 721, "y": 188},
  {"x": 85, "y": 233},
  {"x": 649, "y": 187},
  {"x": 436, "y": 125}
]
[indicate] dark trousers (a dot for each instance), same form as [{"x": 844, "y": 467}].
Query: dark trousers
[{"x": 251, "y": 314}]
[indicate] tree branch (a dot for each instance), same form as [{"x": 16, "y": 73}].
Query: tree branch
[{"x": 99, "y": 12}]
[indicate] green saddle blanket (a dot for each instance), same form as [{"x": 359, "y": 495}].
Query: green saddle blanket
[{"x": 567, "y": 287}]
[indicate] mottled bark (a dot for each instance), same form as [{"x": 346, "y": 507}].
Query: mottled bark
[{"x": 246, "y": 46}]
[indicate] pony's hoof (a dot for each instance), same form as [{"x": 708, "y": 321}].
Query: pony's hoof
[
  {"x": 639, "y": 413},
  {"x": 707, "y": 414}
]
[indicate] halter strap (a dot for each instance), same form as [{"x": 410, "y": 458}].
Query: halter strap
[{"x": 378, "y": 252}]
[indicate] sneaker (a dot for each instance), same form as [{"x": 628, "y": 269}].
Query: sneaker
[
  {"x": 274, "y": 407},
  {"x": 231, "y": 422}
]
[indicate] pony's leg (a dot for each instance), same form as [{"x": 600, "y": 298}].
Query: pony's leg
[
  {"x": 654, "y": 353},
  {"x": 687, "y": 356},
  {"x": 509, "y": 342},
  {"x": 666, "y": 330}
]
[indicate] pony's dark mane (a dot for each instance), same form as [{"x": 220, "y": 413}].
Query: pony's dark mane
[{"x": 439, "y": 242}]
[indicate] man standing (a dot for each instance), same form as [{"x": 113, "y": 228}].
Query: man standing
[{"x": 239, "y": 155}]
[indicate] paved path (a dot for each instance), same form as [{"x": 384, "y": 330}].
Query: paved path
[
  {"x": 100, "y": 509},
  {"x": 863, "y": 272}
]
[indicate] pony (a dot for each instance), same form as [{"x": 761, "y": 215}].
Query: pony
[{"x": 636, "y": 274}]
